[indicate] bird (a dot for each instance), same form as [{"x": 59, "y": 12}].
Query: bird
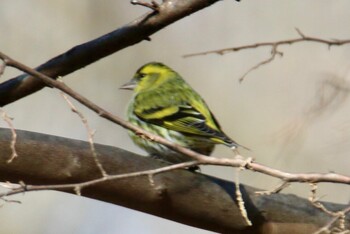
[{"x": 164, "y": 104}]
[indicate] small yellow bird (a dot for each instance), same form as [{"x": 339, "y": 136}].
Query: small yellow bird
[{"x": 165, "y": 105}]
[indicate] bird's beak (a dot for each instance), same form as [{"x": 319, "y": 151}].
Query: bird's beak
[{"x": 129, "y": 86}]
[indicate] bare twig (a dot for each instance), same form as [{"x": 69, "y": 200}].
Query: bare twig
[
  {"x": 302, "y": 38},
  {"x": 9, "y": 201},
  {"x": 151, "y": 180},
  {"x": 2, "y": 67},
  {"x": 8, "y": 120},
  {"x": 274, "y": 52},
  {"x": 278, "y": 189},
  {"x": 77, "y": 187},
  {"x": 315, "y": 201},
  {"x": 274, "y": 46},
  {"x": 240, "y": 200},
  {"x": 338, "y": 216},
  {"x": 90, "y": 133},
  {"x": 152, "y": 5}
]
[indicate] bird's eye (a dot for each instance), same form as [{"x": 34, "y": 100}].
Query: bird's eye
[{"x": 141, "y": 75}]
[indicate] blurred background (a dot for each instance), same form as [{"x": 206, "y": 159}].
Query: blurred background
[{"x": 293, "y": 113}]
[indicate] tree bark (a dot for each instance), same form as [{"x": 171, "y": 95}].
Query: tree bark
[{"x": 190, "y": 198}]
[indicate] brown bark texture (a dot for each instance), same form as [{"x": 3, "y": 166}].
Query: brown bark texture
[{"x": 183, "y": 196}]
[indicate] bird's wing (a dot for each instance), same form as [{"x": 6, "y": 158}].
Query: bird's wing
[{"x": 186, "y": 119}]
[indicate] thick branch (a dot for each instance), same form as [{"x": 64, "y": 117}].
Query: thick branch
[
  {"x": 182, "y": 196},
  {"x": 89, "y": 52}
]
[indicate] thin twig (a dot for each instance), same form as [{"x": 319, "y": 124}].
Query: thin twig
[
  {"x": 315, "y": 201},
  {"x": 153, "y": 5},
  {"x": 278, "y": 189},
  {"x": 151, "y": 180},
  {"x": 240, "y": 200},
  {"x": 8, "y": 120},
  {"x": 9, "y": 201},
  {"x": 339, "y": 215},
  {"x": 274, "y": 52},
  {"x": 2, "y": 67},
  {"x": 302, "y": 38},
  {"x": 89, "y": 131},
  {"x": 77, "y": 187},
  {"x": 274, "y": 46}
]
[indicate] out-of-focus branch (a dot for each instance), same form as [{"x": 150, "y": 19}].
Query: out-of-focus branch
[
  {"x": 183, "y": 196},
  {"x": 89, "y": 52},
  {"x": 274, "y": 46}
]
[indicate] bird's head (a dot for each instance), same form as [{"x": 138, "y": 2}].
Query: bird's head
[{"x": 150, "y": 76}]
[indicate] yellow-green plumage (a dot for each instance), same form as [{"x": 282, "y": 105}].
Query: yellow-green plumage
[{"x": 165, "y": 105}]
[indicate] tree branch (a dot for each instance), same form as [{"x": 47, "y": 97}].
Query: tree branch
[
  {"x": 302, "y": 38},
  {"x": 190, "y": 198},
  {"x": 161, "y": 190},
  {"x": 274, "y": 46},
  {"x": 89, "y": 52},
  {"x": 202, "y": 159},
  {"x": 90, "y": 133}
]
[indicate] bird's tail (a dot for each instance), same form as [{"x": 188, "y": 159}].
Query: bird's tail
[
  {"x": 234, "y": 145},
  {"x": 229, "y": 142}
]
